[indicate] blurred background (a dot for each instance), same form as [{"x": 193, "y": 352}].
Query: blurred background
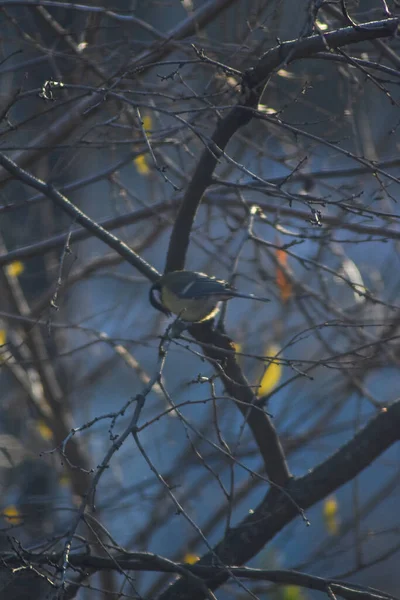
[{"x": 114, "y": 110}]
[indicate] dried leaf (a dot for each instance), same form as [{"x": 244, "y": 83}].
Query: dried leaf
[
  {"x": 350, "y": 271},
  {"x": 282, "y": 281}
]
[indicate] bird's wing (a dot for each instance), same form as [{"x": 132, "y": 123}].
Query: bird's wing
[{"x": 206, "y": 286}]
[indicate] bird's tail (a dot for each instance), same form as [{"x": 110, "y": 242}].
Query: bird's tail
[{"x": 251, "y": 297}]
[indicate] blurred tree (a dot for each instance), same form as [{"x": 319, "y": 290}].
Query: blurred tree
[{"x": 252, "y": 456}]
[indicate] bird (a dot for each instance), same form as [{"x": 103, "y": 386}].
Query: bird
[{"x": 192, "y": 296}]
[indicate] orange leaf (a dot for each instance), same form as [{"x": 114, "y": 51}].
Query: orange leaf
[{"x": 282, "y": 281}]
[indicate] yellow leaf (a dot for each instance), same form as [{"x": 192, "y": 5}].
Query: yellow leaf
[
  {"x": 286, "y": 74},
  {"x": 237, "y": 347},
  {"x": 272, "y": 373},
  {"x": 64, "y": 481},
  {"x": 330, "y": 512},
  {"x": 330, "y": 508},
  {"x": 282, "y": 280},
  {"x": 190, "y": 558},
  {"x": 12, "y": 515},
  {"x": 147, "y": 123},
  {"x": 332, "y": 525},
  {"x": 3, "y": 337},
  {"x": 15, "y": 268},
  {"x": 292, "y": 592},
  {"x": 268, "y": 110},
  {"x": 322, "y": 26},
  {"x": 141, "y": 165},
  {"x": 44, "y": 430}
]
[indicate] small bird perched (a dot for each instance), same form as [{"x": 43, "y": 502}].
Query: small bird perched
[{"x": 193, "y": 296}]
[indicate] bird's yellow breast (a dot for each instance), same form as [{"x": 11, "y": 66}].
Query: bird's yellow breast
[{"x": 190, "y": 309}]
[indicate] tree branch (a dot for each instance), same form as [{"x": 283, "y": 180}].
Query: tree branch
[
  {"x": 80, "y": 217},
  {"x": 214, "y": 343},
  {"x": 277, "y": 510},
  {"x": 254, "y": 80}
]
